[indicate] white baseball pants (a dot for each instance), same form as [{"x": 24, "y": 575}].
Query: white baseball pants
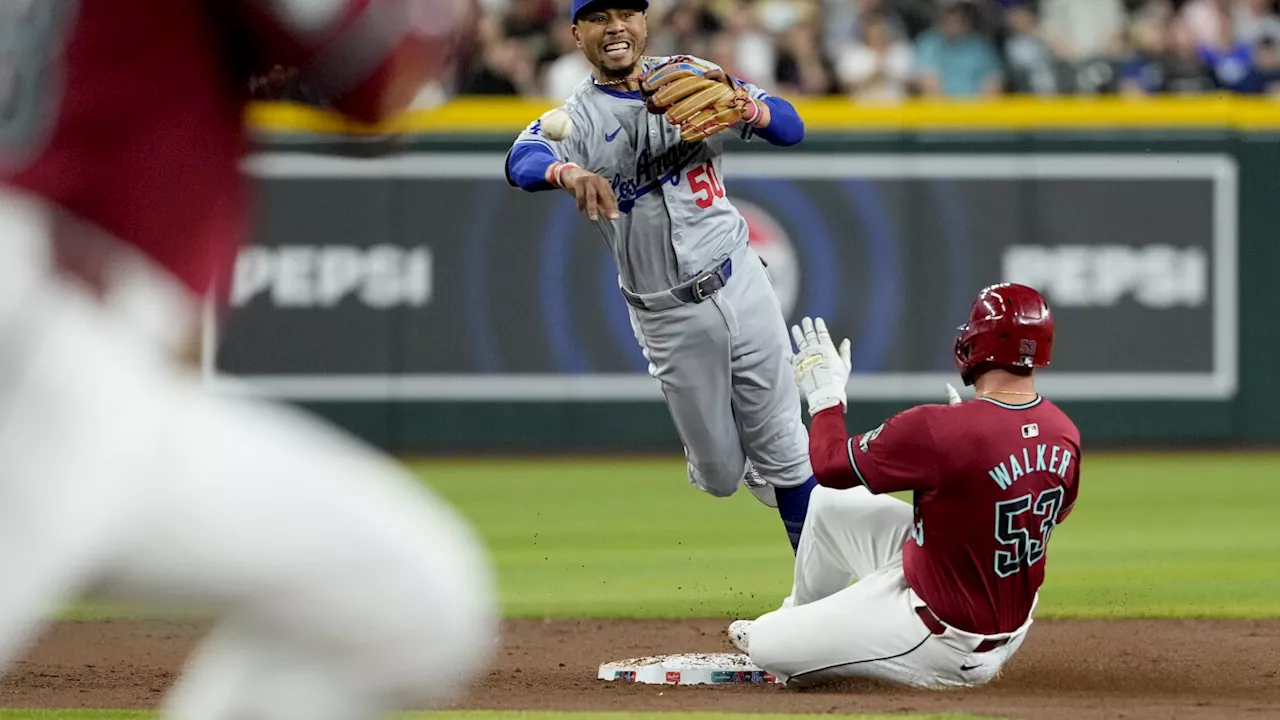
[
  {"x": 828, "y": 629},
  {"x": 341, "y": 589}
]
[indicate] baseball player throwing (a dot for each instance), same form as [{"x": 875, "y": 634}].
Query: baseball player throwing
[
  {"x": 945, "y": 590},
  {"x": 642, "y": 159}
]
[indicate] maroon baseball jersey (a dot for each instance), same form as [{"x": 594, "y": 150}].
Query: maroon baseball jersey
[
  {"x": 990, "y": 480},
  {"x": 128, "y": 114}
]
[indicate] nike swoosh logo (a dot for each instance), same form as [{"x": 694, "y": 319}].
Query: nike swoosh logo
[
  {"x": 610, "y": 136},
  {"x": 967, "y": 668}
]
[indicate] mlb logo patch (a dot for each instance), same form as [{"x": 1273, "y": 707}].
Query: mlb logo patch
[{"x": 1030, "y": 430}]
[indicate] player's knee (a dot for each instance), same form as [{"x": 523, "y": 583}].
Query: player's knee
[
  {"x": 821, "y": 504},
  {"x": 768, "y": 647},
  {"x": 843, "y": 506},
  {"x": 719, "y": 491},
  {"x": 718, "y": 479}
]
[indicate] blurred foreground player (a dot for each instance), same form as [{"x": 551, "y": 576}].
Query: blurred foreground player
[
  {"x": 341, "y": 589},
  {"x": 946, "y": 590}
]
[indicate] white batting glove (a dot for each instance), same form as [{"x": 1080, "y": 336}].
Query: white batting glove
[
  {"x": 953, "y": 397},
  {"x": 822, "y": 371}
]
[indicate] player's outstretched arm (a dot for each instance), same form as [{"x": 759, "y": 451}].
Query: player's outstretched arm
[
  {"x": 530, "y": 160},
  {"x": 828, "y": 450},
  {"x": 822, "y": 372},
  {"x": 898, "y": 455},
  {"x": 529, "y": 165},
  {"x": 593, "y": 193},
  {"x": 532, "y": 166}
]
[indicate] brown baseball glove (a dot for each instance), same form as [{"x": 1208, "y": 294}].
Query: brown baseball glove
[{"x": 698, "y": 98}]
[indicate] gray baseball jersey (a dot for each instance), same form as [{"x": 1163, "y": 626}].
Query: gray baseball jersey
[
  {"x": 724, "y": 363},
  {"x": 669, "y": 230}
]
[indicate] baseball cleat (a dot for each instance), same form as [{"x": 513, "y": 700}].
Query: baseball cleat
[
  {"x": 738, "y": 630},
  {"x": 759, "y": 487}
]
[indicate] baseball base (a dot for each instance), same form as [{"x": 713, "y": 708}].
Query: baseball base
[{"x": 686, "y": 669}]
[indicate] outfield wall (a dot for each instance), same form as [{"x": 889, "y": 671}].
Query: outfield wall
[{"x": 397, "y": 285}]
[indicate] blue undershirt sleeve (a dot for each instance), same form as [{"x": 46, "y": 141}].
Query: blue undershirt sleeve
[
  {"x": 527, "y": 164},
  {"x": 785, "y": 126}
]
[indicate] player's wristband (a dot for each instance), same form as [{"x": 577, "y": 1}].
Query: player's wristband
[
  {"x": 555, "y": 172},
  {"x": 824, "y": 398},
  {"x": 752, "y": 112}
]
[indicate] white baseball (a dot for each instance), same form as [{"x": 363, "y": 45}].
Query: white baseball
[{"x": 556, "y": 124}]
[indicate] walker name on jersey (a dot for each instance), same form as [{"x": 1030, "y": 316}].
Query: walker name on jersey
[
  {"x": 311, "y": 276},
  {"x": 651, "y": 172},
  {"x": 1155, "y": 276},
  {"x": 1038, "y": 458}
]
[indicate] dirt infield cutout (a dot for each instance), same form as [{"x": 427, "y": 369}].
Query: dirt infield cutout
[{"x": 1129, "y": 669}]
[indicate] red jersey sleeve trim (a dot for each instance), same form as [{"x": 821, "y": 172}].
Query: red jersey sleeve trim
[{"x": 854, "y": 464}]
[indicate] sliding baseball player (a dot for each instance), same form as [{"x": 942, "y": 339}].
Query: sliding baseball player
[{"x": 946, "y": 587}]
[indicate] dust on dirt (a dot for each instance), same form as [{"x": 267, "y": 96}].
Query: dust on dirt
[{"x": 1133, "y": 669}]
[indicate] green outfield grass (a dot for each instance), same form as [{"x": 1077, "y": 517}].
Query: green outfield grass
[
  {"x": 1172, "y": 535},
  {"x": 485, "y": 715},
  {"x": 1153, "y": 535}
]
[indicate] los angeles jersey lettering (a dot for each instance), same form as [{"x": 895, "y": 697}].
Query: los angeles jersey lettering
[{"x": 991, "y": 482}]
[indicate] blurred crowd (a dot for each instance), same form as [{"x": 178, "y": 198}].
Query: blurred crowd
[{"x": 888, "y": 50}]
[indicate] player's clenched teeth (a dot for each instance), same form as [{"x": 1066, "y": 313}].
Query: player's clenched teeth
[{"x": 616, "y": 49}]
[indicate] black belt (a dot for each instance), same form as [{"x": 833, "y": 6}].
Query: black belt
[
  {"x": 697, "y": 289},
  {"x": 936, "y": 627}
]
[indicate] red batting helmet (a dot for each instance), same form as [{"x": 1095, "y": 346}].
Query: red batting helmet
[{"x": 1009, "y": 325}]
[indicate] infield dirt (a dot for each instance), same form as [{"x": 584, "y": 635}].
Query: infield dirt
[{"x": 1066, "y": 669}]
